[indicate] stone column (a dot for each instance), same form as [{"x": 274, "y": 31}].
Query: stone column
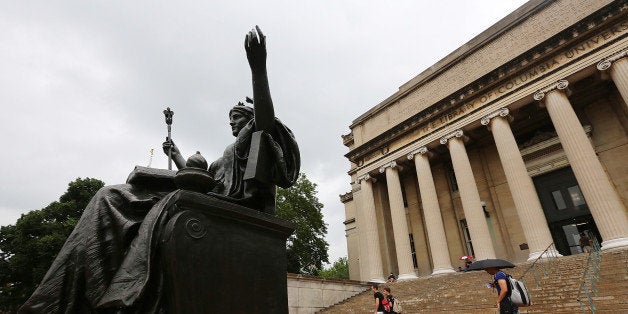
[
  {"x": 399, "y": 221},
  {"x": 606, "y": 207},
  {"x": 617, "y": 65},
  {"x": 431, "y": 211},
  {"x": 524, "y": 195},
  {"x": 370, "y": 232},
  {"x": 364, "y": 259},
  {"x": 470, "y": 197}
]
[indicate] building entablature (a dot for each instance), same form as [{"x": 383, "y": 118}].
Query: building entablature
[
  {"x": 567, "y": 55},
  {"x": 434, "y": 96}
]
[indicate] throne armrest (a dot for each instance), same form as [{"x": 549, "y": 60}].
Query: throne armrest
[{"x": 160, "y": 179}]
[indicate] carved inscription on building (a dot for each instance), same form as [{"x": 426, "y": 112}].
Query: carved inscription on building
[
  {"x": 442, "y": 113},
  {"x": 535, "y": 72}
]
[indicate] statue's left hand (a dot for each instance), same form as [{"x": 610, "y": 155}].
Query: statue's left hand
[{"x": 255, "y": 46}]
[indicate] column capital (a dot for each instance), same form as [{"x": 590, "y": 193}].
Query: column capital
[
  {"x": 559, "y": 85},
  {"x": 446, "y": 138},
  {"x": 606, "y": 63},
  {"x": 503, "y": 112},
  {"x": 365, "y": 177},
  {"x": 421, "y": 151},
  {"x": 391, "y": 164},
  {"x": 355, "y": 186}
]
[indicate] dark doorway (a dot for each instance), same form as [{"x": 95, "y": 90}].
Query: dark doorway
[{"x": 565, "y": 209}]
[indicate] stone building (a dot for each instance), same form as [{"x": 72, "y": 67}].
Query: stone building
[{"x": 516, "y": 140}]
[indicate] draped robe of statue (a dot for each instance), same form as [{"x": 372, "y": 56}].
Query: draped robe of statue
[{"x": 110, "y": 264}]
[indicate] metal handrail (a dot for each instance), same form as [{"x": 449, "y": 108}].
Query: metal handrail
[
  {"x": 545, "y": 253},
  {"x": 591, "y": 272}
]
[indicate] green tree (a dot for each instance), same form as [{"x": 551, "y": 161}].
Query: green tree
[
  {"x": 306, "y": 247},
  {"x": 338, "y": 270},
  {"x": 28, "y": 248}
]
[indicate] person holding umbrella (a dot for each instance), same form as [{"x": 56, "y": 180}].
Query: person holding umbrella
[
  {"x": 493, "y": 267},
  {"x": 467, "y": 261}
]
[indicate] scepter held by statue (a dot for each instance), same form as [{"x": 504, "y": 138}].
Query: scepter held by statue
[{"x": 169, "y": 113}]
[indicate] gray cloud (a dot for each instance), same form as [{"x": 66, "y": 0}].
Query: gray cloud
[{"x": 83, "y": 83}]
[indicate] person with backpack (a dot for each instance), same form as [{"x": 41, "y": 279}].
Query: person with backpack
[
  {"x": 500, "y": 282},
  {"x": 391, "y": 304}
]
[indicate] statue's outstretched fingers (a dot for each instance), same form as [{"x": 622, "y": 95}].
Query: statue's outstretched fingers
[{"x": 262, "y": 37}]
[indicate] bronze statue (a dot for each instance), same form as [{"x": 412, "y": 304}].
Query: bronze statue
[
  {"x": 111, "y": 263},
  {"x": 229, "y": 170}
]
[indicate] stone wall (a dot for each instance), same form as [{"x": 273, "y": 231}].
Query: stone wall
[{"x": 308, "y": 294}]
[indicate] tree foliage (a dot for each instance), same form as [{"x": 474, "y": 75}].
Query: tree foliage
[
  {"x": 28, "y": 248},
  {"x": 338, "y": 270},
  {"x": 306, "y": 247}
]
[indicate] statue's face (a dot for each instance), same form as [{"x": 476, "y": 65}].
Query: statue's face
[{"x": 237, "y": 122}]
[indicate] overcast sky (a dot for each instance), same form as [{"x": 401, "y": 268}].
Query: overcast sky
[{"x": 83, "y": 83}]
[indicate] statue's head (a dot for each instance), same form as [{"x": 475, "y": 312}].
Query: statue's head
[{"x": 239, "y": 116}]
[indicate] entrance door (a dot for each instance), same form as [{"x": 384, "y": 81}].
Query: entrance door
[{"x": 565, "y": 209}]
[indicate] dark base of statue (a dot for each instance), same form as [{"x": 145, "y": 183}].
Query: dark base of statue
[{"x": 220, "y": 257}]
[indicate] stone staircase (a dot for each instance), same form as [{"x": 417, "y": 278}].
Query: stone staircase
[{"x": 554, "y": 286}]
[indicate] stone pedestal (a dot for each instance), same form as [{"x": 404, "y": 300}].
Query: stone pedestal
[{"x": 220, "y": 257}]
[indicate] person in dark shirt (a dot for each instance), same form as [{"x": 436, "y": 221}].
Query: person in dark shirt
[
  {"x": 379, "y": 297},
  {"x": 392, "y": 278}
]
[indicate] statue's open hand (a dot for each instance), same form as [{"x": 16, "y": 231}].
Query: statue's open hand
[
  {"x": 166, "y": 146},
  {"x": 255, "y": 46}
]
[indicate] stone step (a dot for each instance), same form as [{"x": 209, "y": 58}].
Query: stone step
[{"x": 554, "y": 287}]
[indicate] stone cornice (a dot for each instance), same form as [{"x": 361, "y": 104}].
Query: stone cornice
[
  {"x": 537, "y": 55},
  {"x": 349, "y": 221},
  {"x": 606, "y": 63},
  {"x": 547, "y": 156},
  {"x": 347, "y": 139},
  {"x": 503, "y": 112},
  {"x": 559, "y": 85}
]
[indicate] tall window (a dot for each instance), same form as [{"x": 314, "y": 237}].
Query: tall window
[
  {"x": 414, "y": 261},
  {"x": 576, "y": 195},
  {"x": 467, "y": 236}
]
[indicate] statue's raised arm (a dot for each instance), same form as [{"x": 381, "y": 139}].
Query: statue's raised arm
[{"x": 255, "y": 46}]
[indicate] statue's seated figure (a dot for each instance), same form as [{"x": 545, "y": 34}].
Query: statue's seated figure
[{"x": 110, "y": 261}]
